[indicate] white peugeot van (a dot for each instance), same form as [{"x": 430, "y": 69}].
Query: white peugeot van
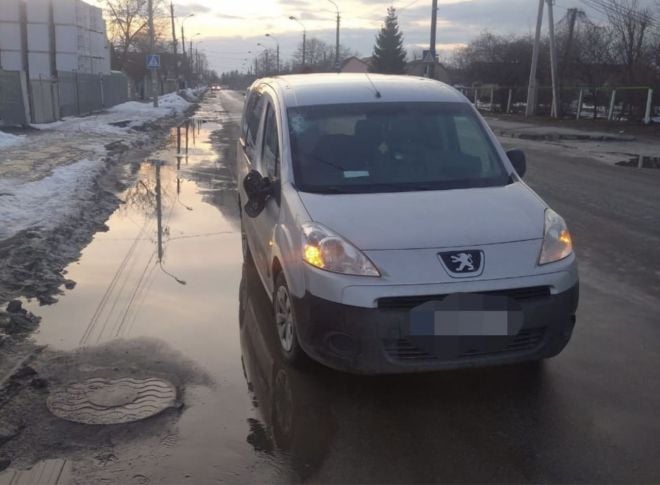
[{"x": 392, "y": 231}]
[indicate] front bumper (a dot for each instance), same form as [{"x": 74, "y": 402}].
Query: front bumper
[{"x": 376, "y": 340}]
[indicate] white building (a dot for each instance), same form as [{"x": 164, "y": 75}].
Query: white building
[{"x": 43, "y": 37}]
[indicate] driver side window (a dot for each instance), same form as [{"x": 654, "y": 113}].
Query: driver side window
[{"x": 270, "y": 157}]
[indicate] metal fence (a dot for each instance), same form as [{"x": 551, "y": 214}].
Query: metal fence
[
  {"x": 49, "y": 99},
  {"x": 82, "y": 94},
  {"x": 615, "y": 103}
]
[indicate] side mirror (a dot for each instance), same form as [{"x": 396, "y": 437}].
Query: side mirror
[
  {"x": 519, "y": 161},
  {"x": 258, "y": 190}
]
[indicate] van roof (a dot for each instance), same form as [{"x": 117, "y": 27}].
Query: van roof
[{"x": 332, "y": 88}]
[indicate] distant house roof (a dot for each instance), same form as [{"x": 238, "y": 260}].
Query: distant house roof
[
  {"x": 354, "y": 64},
  {"x": 418, "y": 67}
]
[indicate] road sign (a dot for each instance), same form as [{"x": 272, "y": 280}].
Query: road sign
[
  {"x": 153, "y": 61},
  {"x": 428, "y": 57}
]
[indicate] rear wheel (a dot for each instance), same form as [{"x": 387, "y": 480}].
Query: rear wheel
[{"x": 286, "y": 324}]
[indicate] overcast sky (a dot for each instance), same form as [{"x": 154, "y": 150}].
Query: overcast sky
[{"x": 228, "y": 29}]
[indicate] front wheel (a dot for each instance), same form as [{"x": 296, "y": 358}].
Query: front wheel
[
  {"x": 286, "y": 324},
  {"x": 247, "y": 254}
]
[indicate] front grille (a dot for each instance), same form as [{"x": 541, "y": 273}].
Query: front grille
[
  {"x": 409, "y": 302},
  {"x": 404, "y": 349}
]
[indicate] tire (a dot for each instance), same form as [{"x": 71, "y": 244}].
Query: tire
[{"x": 286, "y": 323}]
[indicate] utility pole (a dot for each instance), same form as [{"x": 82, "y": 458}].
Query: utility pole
[
  {"x": 553, "y": 61},
  {"x": 174, "y": 43},
  {"x": 184, "y": 61},
  {"x": 152, "y": 42},
  {"x": 531, "y": 90},
  {"x": 337, "y": 65},
  {"x": 434, "y": 28},
  {"x": 572, "y": 19}
]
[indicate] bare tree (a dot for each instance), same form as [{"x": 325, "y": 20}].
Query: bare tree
[
  {"x": 593, "y": 55},
  {"x": 496, "y": 59},
  {"x": 631, "y": 25},
  {"x": 319, "y": 55},
  {"x": 128, "y": 24}
]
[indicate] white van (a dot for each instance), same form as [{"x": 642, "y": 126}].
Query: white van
[{"x": 392, "y": 231}]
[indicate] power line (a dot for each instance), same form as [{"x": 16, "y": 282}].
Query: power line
[{"x": 609, "y": 8}]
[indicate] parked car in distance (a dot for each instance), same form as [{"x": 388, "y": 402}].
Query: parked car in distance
[{"x": 393, "y": 232}]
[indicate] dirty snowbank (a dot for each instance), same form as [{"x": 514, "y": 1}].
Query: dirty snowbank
[
  {"x": 120, "y": 119},
  {"x": 7, "y": 139},
  {"x": 23, "y": 206}
]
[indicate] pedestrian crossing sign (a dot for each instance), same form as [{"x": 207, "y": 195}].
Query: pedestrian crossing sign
[{"x": 153, "y": 61}]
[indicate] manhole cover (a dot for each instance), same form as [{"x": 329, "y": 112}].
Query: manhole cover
[{"x": 104, "y": 401}]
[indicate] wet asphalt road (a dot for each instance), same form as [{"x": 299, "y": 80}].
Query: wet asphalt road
[{"x": 589, "y": 415}]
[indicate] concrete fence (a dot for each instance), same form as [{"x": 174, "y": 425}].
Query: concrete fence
[
  {"x": 614, "y": 103},
  {"x": 47, "y": 100},
  {"x": 14, "y": 101}
]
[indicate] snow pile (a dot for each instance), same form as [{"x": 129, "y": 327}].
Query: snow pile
[
  {"x": 121, "y": 118},
  {"x": 7, "y": 140},
  {"x": 169, "y": 104},
  {"x": 23, "y": 205}
]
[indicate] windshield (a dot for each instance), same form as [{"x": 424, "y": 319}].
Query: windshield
[{"x": 391, "y": 147}]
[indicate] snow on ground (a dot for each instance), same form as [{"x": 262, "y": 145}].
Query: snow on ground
[
  {"x": 65, "y": 189},
  {"x": 7, "y": 139},
  {"x": 22, "y": 205},
  {"x": 121, "y": 118}
]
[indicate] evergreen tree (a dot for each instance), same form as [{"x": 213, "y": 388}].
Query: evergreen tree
[{"x": 389, "y": 56}]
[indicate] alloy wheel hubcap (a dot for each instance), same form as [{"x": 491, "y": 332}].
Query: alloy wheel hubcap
[{"x": 284, "y": 318}]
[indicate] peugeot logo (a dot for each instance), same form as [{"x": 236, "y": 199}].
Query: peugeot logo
[{"x": 463, "y": 263}]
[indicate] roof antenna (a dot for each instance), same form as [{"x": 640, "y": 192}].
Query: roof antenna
[{"x": 378, "y": 95}]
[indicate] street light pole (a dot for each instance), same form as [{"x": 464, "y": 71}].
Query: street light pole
[
  {"x": 337, "y": 66},
  {"x": 265, "y": 52},
  {"x": 184, "y": 62},
  {"x": 278, "y": 50},
  {"x": 304, "y": 37}
]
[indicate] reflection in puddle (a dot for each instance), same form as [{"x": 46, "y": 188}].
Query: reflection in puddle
[
  {"x": 295, "y": 405},
  {"x": 168, "y": 219}
]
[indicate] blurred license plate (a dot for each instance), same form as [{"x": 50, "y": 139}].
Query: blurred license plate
[{"x": 467, "y": 315}]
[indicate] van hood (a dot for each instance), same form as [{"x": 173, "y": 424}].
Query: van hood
[{"x": 431, "y": 219}]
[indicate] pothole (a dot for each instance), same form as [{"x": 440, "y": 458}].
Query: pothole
[
  {"x": 119, "y": 401},
  {"x": 640, "y": 161}
]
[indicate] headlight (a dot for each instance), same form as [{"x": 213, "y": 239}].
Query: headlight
[
  {"x": 557, "y": 242},
  {"x": 326, "y": 250}
]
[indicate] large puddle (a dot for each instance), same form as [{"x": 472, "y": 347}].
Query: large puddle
[
  {"x": 164, "y": 262},
  {"x": 165, "y": 275}
]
